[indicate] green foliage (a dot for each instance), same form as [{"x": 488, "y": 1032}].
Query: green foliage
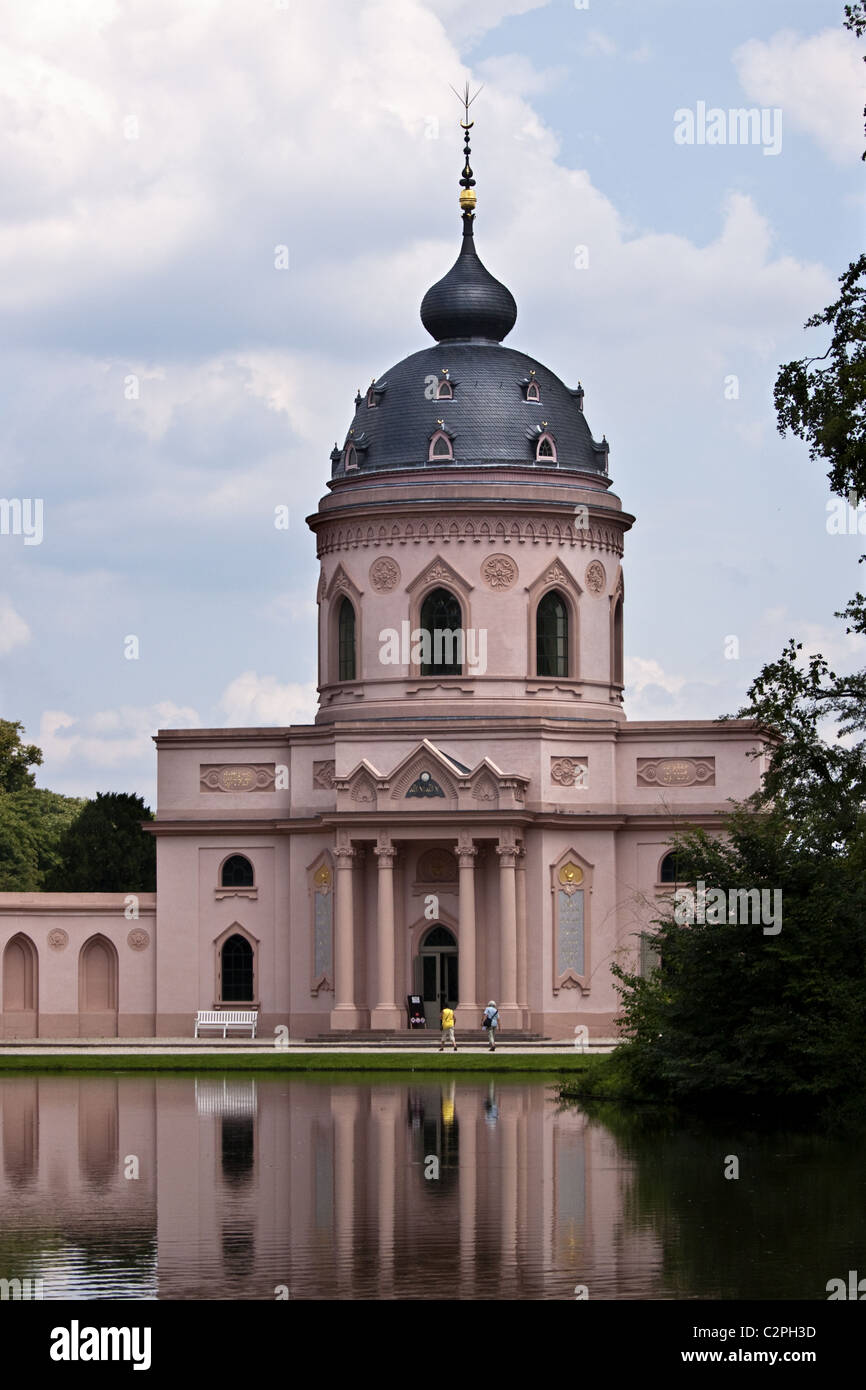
[
  {"x": 855, "y": 20},
  {"x": 105, "y": 850},
  {"x": 737, "y": 1019},
  {"x": 16, "y": 757},
  {"x": 826, "y": 406},
  {"x": 32, "y": 822}
]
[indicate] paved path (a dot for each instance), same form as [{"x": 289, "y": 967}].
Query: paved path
[{"x": 232, "y": 1047}]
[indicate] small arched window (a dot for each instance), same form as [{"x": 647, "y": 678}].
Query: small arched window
[
  {"x": 236, "y": 974},
  {"x": 546, "y": 449},
  {"x": 532, "y": 392},
  {"x": 617, "y": 643},
  {"x": 237, "y": 872},
  {"x": 372, "y": 402},
  {"x": 551, "y": 635},
  {"x": 346, "y": 641},
  {"x": 350, "y": 457},
  {"x": 440, "y": 447},
  {"x": 445, "y": 391},
  {"x": 669, "y": 869},
  {"x": 442, "y": 634}
]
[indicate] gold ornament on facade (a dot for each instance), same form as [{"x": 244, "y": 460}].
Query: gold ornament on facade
[{"x": 571, "y": 875}]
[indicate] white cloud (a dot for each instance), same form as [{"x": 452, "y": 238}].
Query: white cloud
[
  {"x": 817, "y": 82},
  {"x": 466, "y": 22},
  {"x": 641, "y": 673},
  {"x": 252, "y": 700},
  {"x": 108, "y": 738},
  {"x": 14, "y": 631}
]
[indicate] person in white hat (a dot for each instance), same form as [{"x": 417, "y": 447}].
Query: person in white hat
[{"x": 490, "y": 1022}]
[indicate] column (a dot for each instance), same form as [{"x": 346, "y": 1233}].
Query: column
[
  {"x": 522, "y": 943},
  {"x": 468, "y": 1103},
  {"x": 468, "y": 1012},
  {"x": 344, "y": 1013},
  {"x": 508, "y": 1187},
  {"x": 385, "y": 1014},
  {"x": 386, "y": 1106},
  {"x": 344, "y": 1107},
  {"x": 509, "y": 1014}
]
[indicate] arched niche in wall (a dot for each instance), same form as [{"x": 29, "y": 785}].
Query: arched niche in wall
[{"x": 571, "y": 917}]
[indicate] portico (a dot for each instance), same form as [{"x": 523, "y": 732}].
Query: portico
[{"x": 470, "y": 881}]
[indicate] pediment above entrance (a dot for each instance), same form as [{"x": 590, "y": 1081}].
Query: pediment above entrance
[{"x": 429, "y": 779}]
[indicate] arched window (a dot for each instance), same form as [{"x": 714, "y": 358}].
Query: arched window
[
  {"x": 445, "y": 391},
  {"x": 546, "y": 449},
  {"x": 669, "y": 869},
  {"x": 440, "y": 447},
  {"x": 346, "y": 641},
  {"x": 532, "y": 392},
  {"x": 236, "y": 973},
  {"x": 551, "y": 635},
  {"x": 237, "y": 872},
  {"x": 616, "y": 639},
  {"x": 371, "y": 396},
  {"x": 350, "y": 458},
  {"x": 442, "y": 635}
]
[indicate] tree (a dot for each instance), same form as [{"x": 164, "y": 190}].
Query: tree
[
  {"x": 16, "y": 757},
  {"x": 105, "y": 850},
  {"x": 732, "y": 1013},
  {"x": 739, "y": 1015},
  {"x": 855, "y": 20},
  {"x": 826, "y": 406}
]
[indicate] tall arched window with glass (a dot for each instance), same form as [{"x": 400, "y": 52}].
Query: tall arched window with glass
[
  {"x": 346, "y": 641},
  {"x": 551, "y": 636},
  {"x": 442, "y": 635}
]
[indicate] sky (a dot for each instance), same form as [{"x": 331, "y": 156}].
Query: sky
[{"x": 217, "y": 221}]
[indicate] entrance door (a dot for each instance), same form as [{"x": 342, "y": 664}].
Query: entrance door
[{"x": 439, "y": 984}]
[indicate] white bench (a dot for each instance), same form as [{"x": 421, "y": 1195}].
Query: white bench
[{"x": 227, "y": 1018}]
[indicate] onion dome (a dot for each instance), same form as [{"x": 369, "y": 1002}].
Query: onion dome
[
  {"x": 469, "y": 401},
  {"x": 468, "y": 304}
]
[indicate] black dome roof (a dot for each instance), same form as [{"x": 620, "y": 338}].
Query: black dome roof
[
  {"x": 488, "y": 418},
  {"x": 468, "y": 303}
]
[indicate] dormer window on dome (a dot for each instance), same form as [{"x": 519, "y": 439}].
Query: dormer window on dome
[
  {"x": 532, "y": 391},
  {"x": 545, "y": 451},
  {"x": 350, "y": 457},
  {"x": 445, "y": 391},
  {"x": 371, "y": 398},
  {"x": 440, "y": 446}
]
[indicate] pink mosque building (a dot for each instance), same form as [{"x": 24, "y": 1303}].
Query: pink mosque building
[{"x": 471, "y": 816}]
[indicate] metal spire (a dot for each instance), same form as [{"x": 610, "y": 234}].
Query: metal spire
[{"x": 467, "y": 182}]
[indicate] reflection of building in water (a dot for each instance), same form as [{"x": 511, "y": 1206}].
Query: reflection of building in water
[
  {"x": 325, "y": 1188},
  {"x": 67, "y": 1145}
]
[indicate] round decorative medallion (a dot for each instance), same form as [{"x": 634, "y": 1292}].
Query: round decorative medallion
[
  {"x": 58, "y": 939},
  {"x": 384, "y": 575},
  {"x": 499, "y": 572},
  {"x": 595, "y": 577},
  {"x": 138, "y": 939}
]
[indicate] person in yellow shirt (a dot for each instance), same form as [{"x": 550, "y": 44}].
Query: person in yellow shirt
[{"x": 447, "y": 1028}]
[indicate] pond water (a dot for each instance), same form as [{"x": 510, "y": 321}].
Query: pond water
[{"x": 257, "y": 1187}]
